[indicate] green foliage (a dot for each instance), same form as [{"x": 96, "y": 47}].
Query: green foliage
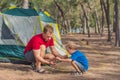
[
  {"x": 86, "y": 1},
  {"x": 92, "y": 21},
  {"x": 73, "y": 22},
  {"x": 71, "y": 8},
  {"x": 5, "y": 4}
]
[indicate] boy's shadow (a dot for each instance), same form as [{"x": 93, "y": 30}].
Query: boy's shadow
[{"x": 58, "y": 71}]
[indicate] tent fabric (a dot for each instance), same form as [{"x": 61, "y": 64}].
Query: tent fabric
[
  {"x": 16, "y": 31},
  {"x": 22, "y": 28},
  {"x": 46, "y": 18},
  {"x": 21, "y": 12}
]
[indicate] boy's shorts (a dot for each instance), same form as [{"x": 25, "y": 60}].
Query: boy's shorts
[
  {"x": 80, "y": 66},
  {"x": 29, "y": 56}
]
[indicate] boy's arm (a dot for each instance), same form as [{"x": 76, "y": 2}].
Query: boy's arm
[{"x": 65, "y": 60}]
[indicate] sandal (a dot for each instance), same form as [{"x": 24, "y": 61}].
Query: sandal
[
  {"x": 33, "y": 66},
  {"x": 77, "y": 73},
  {"x": 40, "y": 70}
]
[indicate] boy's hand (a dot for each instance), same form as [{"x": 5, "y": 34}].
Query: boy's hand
[
  {"x": 52, "y": 63},
  {"x": 58, "y": 58}
]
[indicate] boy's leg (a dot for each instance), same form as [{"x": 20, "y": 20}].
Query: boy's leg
[
  {"x": 80, "y": 66},
  {"x": 75, "y": 66}
]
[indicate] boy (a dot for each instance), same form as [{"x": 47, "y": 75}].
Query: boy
[{"x": 77, "y": 59}]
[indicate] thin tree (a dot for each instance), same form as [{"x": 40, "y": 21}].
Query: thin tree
[
  {"x": 107, "y": 14},
  {"x": 117, "y": 33},
  {"x": 86, "y": 18},
  {"x": 103, "y": 21},
  {"x": 63, "y": 16},
  {"x": 25, "y": 4}
]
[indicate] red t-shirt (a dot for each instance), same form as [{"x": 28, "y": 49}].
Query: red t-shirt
[{"x": 36, "y": 41}]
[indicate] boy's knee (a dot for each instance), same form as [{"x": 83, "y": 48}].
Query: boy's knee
[{"x": 72, "y": 62}]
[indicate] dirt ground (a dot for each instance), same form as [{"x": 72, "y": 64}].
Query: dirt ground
[{"x": 104, "y": 62}]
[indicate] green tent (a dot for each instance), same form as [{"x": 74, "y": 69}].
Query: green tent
[
  {"x": 45, "y": 18},
  {"x": 21, "y": 12},
  {"x": 17, "y": 26}
]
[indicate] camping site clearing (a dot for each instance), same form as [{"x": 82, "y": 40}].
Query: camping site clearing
[{"x": 104, "y": 63}]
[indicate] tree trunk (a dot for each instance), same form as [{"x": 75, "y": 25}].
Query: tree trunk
[
  {"x": 25, "y": 4},
  {"x": 95, "y": 27},
  {"x": 83, "y": 22},
  {"x": 107, "y": 13},
  {"x": 117, "y": 16},
  {"x": 62, "y": 14},
  {"x": 84, "y": 26},
  {"x": 114, "y": 19},
  {"x": 87, "y": 19},
  {"x": 102, "y": 26},
  {"x": 97, "y": 21},
  {"x": 108, "y": 20}
]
